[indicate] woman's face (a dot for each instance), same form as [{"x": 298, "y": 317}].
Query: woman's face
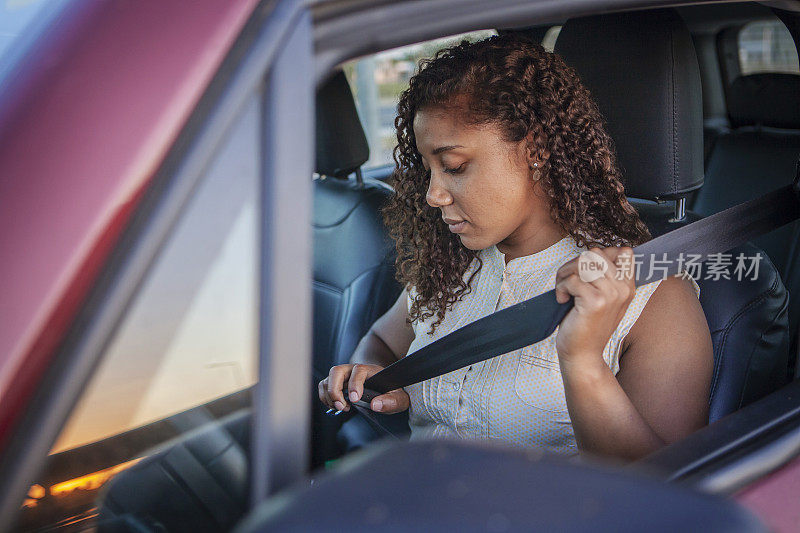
[{"x": 483, "y": 184}]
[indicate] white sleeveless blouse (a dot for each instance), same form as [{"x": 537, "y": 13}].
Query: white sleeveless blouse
[{"x": 517, "y": 397}]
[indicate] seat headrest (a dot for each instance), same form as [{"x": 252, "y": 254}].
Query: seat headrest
[
  {"x": 768, "y": 99},
  {"x": 341, "y": 143},
  {"x": 642, "y": 70}
]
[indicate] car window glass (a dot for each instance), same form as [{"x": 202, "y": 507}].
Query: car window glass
[
  {"x": 549, "y": 39},
  {"x": 378, "y": 80},
  {"x": 766, "y": 46},
  {"x": 185, "y": 354}
]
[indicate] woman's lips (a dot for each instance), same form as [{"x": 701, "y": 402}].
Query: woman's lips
[{"x": 457, "y": 227}]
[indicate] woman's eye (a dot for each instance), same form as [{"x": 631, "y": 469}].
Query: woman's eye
[{"x": 455, "y": 170}]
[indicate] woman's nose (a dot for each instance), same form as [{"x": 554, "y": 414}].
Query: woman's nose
[{"x": 437, "y": 195}]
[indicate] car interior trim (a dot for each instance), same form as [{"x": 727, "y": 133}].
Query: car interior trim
[
  {"x": 710, "y": 457},
  {"x": 346, "y": 29},
  {"x": 281, "y": 415}
]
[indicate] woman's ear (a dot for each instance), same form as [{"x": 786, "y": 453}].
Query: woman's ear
[
  {"x": 530, "y": 150},
  {"x": 534, "y": 161},
  {"x": 537, "y": 146}
]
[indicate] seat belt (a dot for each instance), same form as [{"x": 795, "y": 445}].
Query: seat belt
[{"x": 533, "y": 320}]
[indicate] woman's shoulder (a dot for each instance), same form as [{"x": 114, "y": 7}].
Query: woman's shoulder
[
  {"x": 679, "y": 287},
  {"x": 666, "y": 306},
  {"x": 672, "y": 292}
]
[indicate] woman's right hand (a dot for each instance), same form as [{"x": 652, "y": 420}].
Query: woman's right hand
[{"x": 332, "y": 389}]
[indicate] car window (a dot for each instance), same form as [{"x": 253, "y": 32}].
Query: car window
[
  {"x": 378, "y": 80},
  {"x": 766, "y": 46},
  {"x": 184, "y": 355},
  {"x": 549, "y": 39}
]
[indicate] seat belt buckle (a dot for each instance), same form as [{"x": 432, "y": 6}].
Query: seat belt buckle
[
  {"x": 365, "y": 401},
  {"x": 366, "y": 398}
]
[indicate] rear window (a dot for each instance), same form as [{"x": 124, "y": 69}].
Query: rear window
[
  {"x": 767, "y": 46},
  {"x": 378, "y": 80},
  {"x": 549, "y": 39}
]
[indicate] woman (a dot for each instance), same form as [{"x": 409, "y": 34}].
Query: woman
[{"x": 505, "y": 175}]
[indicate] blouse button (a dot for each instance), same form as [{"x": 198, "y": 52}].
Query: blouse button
[{"x": 456, "y": 386}]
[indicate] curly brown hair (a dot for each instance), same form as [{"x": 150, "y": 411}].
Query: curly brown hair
[{"x": 515, "y": 83}]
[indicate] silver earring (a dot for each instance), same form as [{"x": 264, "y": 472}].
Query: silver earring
[{"x": 538, "y": 174}]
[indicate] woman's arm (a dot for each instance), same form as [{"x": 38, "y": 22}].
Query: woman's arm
[
  {"x": 666, "y": 368},
  {"x": 661, "y": 391},
  {"x": 389, "y": 337}
]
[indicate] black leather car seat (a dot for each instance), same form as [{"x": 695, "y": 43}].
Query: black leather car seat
[
  {"x": 642, "y": 69},
  {"x": 757, "y": 155},
  {"x": 354, "y": 281}
]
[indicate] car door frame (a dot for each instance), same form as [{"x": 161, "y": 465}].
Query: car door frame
[{"x": 272, "y": 52}]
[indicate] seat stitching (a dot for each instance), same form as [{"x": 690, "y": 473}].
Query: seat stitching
[
  {"x": 729, "y": 325},
  {"x": 328, "y": 287},
  {"x": 361, "y": 200},
  {"x": 761, "y": 337},
  {"x": 726, "y": 330},
  {"x": 344, "y": 311}
]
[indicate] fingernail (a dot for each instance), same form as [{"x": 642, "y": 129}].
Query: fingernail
[
  {"x": 338, "y": 405},
  {"x": 377, "y": 405},
  {"x": 353, "y": 396}
]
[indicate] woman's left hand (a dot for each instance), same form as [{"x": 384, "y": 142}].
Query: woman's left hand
[{"x": 601, "y": 298}]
